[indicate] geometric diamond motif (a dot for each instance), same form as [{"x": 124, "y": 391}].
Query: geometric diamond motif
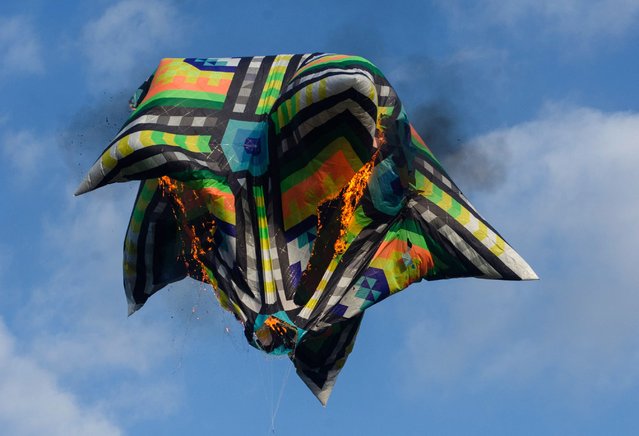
[
  {"x": 306, "y": 238},
  {"x": 242, "y": 146},
  {"x": 371, "y": 287}
]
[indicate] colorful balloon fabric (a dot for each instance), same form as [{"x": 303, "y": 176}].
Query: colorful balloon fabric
[{"x": 296, "y": 186}]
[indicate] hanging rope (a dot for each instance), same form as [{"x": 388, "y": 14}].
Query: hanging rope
[{"x": 279, "y": 398}]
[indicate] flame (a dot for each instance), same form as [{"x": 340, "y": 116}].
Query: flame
[
  {"x": 276, "y": 325},
  {"x": 174, "y": 191},
  {"x": 351, "y": 195},
  {"x": 274, "y": 333}
]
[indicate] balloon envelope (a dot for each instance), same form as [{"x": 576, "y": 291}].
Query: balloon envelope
[{"x": 296, "y": 186}]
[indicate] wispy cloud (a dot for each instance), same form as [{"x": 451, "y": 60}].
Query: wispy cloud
[
  {"x": 20, "y": 47},
  {"x": 33, "y": 402},
  {"x": 22, "y": 149},
  {"x": 73, "y": 329},
  {"x": 568, "y": 201},
  {"x": 87, "y": 241},
  {"x": 587, "y": 19},
  {"x": 126, "y": 34}
]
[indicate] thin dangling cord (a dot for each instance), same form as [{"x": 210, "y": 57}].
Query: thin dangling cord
[{"x": 279, "y": 398}]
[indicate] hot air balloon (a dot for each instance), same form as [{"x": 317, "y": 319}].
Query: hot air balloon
[{"x": 297, "y": 188}]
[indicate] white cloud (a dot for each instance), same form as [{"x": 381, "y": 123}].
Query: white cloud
[
  {"x": 74, "y": 322},
  {"x": 83, "y": 300},
  {"x": 22, "y": 149},
  {"x": 32, "y": 402},
  {"x": 590, "y": 19},
  {"x": 569, "y": 201},
  {"x": 20, "y": 49},
  {"x": 126, "y": 34}
]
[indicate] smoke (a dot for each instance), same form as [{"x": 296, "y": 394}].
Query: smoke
[
  {"x": 445, "y": 99},
  {"x": 442, "y": 95},
  {"x": 91, "y": 130},
  {"x": 439, "y": 127},
  {"x": 443, "y": 128}
]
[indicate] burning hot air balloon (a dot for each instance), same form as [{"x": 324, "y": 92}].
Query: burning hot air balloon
[{"x": 296, "y": 186}]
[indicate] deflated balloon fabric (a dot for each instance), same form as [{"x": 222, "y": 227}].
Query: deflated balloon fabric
[{"x": 296, "y": 186}]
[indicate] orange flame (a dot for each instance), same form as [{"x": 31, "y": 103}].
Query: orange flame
[
  {"x": 171, "y": 189},
  {"x": 351, "y": 195},
  {"x": 276, "y": 325},
  {"x": 354, "y": 190}
]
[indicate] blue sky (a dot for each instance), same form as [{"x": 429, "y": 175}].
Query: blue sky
[{"x": 539, "y": 110}]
